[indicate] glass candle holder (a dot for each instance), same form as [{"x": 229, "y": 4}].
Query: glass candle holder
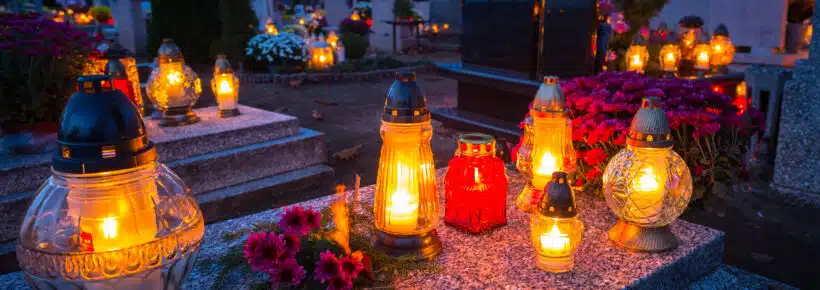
[
  {"x": 555, "y": 229},
  {"x": 117, "y": 70},
  {"x": 723, "y": 51},
  {"x": 174, "y": 87},
  {"x": 523, "y": 161},
  {"x": 669, "y": 58},
  {"x": 110, "y": 216},
  {"x": 406, "y": 200},
  {"x": 225, "y": 86},
  {"x": 321, "y": 55},
  {"x": 636, "y": 58},
  {"x": 552, "y": 146},
  {"x": 703, "y": 57},
  {"x": 647, "y": 185},
  {"x": 475, "y": 187}
]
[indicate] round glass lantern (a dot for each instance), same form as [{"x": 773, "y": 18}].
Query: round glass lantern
[
  {"x": 636, "y": 58},
  {"x": 723, "y": 51},
  {"x": 475, "y": 187},
  {"x": 669, "y": 58},
  {"x": 691, "y": 28},
  {"x": 225, "y": 86},
  {"x": 703, "y": 57},
  {"x": 110, "y": 216},
  {"x": 552, "y": 148},
  {"x": 647, "y": 185},
  {"x": 406, "y": 203},
  {"x": 173, "y": 87},
  {"x": 555, "y": 229}
]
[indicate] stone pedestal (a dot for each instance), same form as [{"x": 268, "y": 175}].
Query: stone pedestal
[
  {"x": 765, "y": 84},
  {"x": 798, "y": 148},
  {"x": 131, "y": 25}
]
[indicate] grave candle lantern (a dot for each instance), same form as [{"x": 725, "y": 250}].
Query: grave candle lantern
[
  {"x": 703, "y": 56},
  {"x": 552, "y": 146},
  {"x": 110, "y": 216},
  {"x": 406, "y": 200},
  {"x": 332, "y": 39},
  {"x": 131, "y": 82},
  {"x": 321, "y": 55},
  {"x": 115, "y": 69},
  {"x": 647, "y": 185},
  {"x": 270, "y": 28},
  {"x": 225, "y": 86},
  {"x": 523, "y": 161},
  {"x": 173, "y": 87},
  {"x": 723, "y": 51},
  {"x": 555, "y": 229},
  {"x": 669, "y": 58},
  {"x": 691, "y": 28},
  {"x": 475, "y": 186},
  {"x": 740, "y": 100},
  {"x": 637, "y": 55}
]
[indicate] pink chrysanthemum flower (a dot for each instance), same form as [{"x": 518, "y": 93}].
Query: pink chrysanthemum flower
[
  {"x": 340, "y": 283},
  {"x": 294, "y": 221},
  {"x": 292, "y": 245},
  {"x": 351, "y": 266},
  {"x": 328, "y": 267},
  {"x": 288, "y": 271},
  {"x": 264, "y": 250},
  {"x": 314, "y": 218}
]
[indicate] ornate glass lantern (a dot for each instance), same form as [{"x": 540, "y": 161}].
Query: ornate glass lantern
[
  {"x": 110, "y": 216},
  {"x": 174, "y": 87},
  {"x": 475, "y": 187},
  {"x": 637, "y": 56},
  {"x": 703, "y": 57},
  {"x": 225, "y": 86},
  {"x": 270, "y": 28},
  {"x": 669, "y": 58},
  {"x": 524, "y": 160},
  {"x": 406, "y": 208},
  {"x": 552, "y": 146},
  {"x": 555, "y": 229},
  {"x": 647, "y": 185},
  {"x": 321, "y": 55},
  {"x": 723, "y": 51}
]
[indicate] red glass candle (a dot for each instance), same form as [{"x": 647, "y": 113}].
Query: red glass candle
[{"x": 475, "y": 186}]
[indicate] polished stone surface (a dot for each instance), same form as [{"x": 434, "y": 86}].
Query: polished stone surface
[{"x": 504, "y": 258}]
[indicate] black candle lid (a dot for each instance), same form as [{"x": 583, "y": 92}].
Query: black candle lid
[
  {"x": 405, "y": 103},
  {"x": 721, "y": 30},
  {"x": 101, "y": 130},
  {"x": 169, "y": 52},
  {"x": 558, "y": 200},
  {"x": 650, "y": 126}
]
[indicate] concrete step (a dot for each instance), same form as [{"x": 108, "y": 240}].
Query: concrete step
[
  {"x": 210, "y": 171},
  {"x": 23, "y": 173}
]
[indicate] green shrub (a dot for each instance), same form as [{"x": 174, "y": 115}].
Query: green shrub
[
  {"x": 403, "y": 9},
  {"x": 238, "y": 26},
  {"x": 355, "y": 45},
  {"x": 193, "y": 35}
]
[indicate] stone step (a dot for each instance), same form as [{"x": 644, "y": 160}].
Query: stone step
[
  {"x": 729, "y": 277},
  {"x": 237, "y": 200},
  {"x": 23, "y": 173},
  {"x": 210, "y": 171}
]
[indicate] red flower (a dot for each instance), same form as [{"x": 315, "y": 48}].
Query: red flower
[
  {"x": 288, "y": 271},
  {"x": 594, "y": 156},
  {"x": 292, "y": 245},
  {"x": 295, "y": 221},
  {"x": 699, "y": 170},
  {"x": 263, "y": 250},
  {"x": 592, "y": 174},
  {"x": 328, "y": 267},
  {"x": 339, "y": 283},
  {"x": 351, "y": 266},
  {"x": 706, "y": 130},
  {"x": 314, "y": 218},
  {"x": 579, "y": 182},
  {"x": 621, "y": 139}
]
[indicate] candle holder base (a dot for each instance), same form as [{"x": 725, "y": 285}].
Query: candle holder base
[
  {"x": 528, "y": 198},
  {"x": 422, "y": 247},
  {"x": 228, "y": 113},
  {"x": 178, "y": 117},
  {"x": 638, "y": 239},
  {"x": 555, "y": 264}
]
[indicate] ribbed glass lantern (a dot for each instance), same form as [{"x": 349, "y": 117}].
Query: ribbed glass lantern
[
  {"x": 110, "y": 216},
  {"x": 552, "y": 148},
  {"x": 174, "y": 87},
  {"x": 225, "y": 86},
  {"x": 406, "y": 203},
  {"x": 523, "y": 161},
  {"x": 647, "y": 185}
]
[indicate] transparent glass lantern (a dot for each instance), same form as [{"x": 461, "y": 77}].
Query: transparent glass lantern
[
  {"x": 406, "y": 203},
  {"x": 723, "y": 51},
  {"x": 703, "y": 57},
  {"x": 636, "y": 58},
  {"x": 555, "y": 229},
  {"x": 321, "y": 55},
  {"x": 647, "y": 185},
  {"x": 110, "y": 216},
  {"x": 552, "y": 148},
  {"x": 669, "y": 58},
  {"x": 174, "y": 87},
  {"x": 116, "y": 69},
  {"x": 225, "y": 86}
]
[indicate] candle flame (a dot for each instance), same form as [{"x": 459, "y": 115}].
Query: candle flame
[
  {"x": 109, "y": 228},
  {"x": 403, "y": 203},
  {"x": 549, "y": 164},
  {"x": 670, "y": 56},
  {"x": 703, "y": 56},
  {"x": 648, "y": 182},
  {"x": 322, "y": 58},
  {"x": 301, "y": 21},
  {"x": 636, "y": 59},
  {"x": 555, "y": 239},
  {"x": 174, "y": 77},
  {"x": 225, "y": 87},
  {"x": 355, "y": 17},
  {"x": 476, "y": 176}
]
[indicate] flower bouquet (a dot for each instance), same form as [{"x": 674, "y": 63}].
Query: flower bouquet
[
  {"x": 710, "y": 133},
  {"x": 308, "y": 249},
  {"x": 284, "y": 50}
]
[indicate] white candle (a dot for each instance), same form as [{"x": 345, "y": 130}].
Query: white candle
[
  {"x": 554, "y": 242},
  {"x": 543, "y": 172}
]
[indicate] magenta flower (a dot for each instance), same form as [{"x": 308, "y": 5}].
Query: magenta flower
[
  {"x": 288, "y": 271},
  {"x": 314, "y": 218},
  {"x": 264, "y": 250},
  {"x": 328, "y": 267},
  {"x": 340, "y": 283},
  {"x": 292, "y": 245},
  {"x": 351, "y": 266},
  {"x": 295, "y": 221}
]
